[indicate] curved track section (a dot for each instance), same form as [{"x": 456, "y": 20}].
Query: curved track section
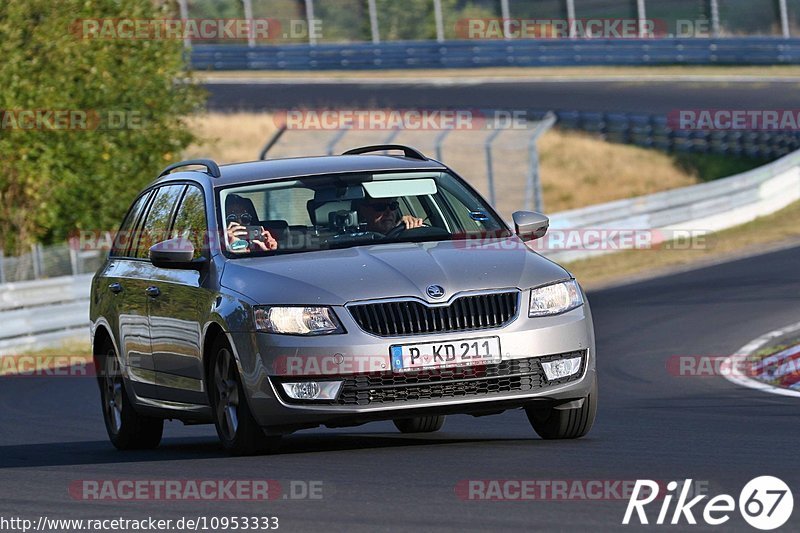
[{"x": 651, "y": 424}]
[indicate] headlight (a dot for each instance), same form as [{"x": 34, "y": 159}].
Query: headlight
[
  {"x": 555, "y": 299},
  {"x": 297, "y": 320}
]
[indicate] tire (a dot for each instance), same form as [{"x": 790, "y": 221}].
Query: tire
[
  {"x": 422, "y": 424},
  {"x": 127, "y": 429},
  {"x": 551, "y": 423},
  {"x": 237, "y": 429}
]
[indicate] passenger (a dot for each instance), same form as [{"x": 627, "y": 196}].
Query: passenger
[{"x": 239, "y": 212}]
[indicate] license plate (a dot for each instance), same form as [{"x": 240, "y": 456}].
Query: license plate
[{"x": 469, "y": 352}]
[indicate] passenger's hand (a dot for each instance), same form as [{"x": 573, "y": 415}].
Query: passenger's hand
[
  {"x": 411, "y": 222},
  {"x": 235, "y": 232},
  {"x": 269, "y": 243}
]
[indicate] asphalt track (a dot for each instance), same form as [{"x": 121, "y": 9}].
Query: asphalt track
[
  {"x": 611, "y": 96},
  {"x": 651, "y": 425}
]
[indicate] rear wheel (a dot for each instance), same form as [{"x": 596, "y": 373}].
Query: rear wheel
[
  {"x": 238, "y": 430},
  {"x": 421, "y": 424},
  {"x": 127, "y": 429},
  {"x": 554, "y": 423}
]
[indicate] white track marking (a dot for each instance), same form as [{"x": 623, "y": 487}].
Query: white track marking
[
  {"x": 461, "y": 81},
  {"x": 736, "y": 361}
]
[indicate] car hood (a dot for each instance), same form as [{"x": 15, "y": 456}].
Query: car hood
[{"x": 337, "y": 277}]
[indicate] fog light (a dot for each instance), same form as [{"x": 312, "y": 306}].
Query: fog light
[
  {"x": 312, "y": 390},
  {"x": 561, "y": 368}
]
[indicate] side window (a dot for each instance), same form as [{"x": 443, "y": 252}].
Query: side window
[
  {"x": 125, "y": 234},
  {"x": 156, "y": 225},
  {"x": 190, "y": 222},
  {"x": 461, "y": 212}
]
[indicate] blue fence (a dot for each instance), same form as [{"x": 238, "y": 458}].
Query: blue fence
[{"x": 528, "y": 53}]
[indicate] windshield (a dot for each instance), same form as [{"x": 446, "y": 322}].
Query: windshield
[{"x": 340, "y": 211}]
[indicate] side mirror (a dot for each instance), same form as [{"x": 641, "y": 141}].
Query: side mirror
[
  {"x": 174, "y": 253},
  {"x": 530, "y": 225}
]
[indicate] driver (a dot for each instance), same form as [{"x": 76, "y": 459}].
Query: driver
[{"x": 383, "y": 214}]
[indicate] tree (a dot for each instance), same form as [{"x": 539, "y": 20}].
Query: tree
[{"x": 133, "y": 95}]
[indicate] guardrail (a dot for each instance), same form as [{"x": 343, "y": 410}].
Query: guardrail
[
  {"x": 500, "y": 53},
  {"x": 63, "y": 259},
  {"x": 35, "y": 313},
  {"x": 710, "y": 207}
]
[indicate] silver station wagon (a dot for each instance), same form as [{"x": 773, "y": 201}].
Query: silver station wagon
[{"x": 273, "y": 296}]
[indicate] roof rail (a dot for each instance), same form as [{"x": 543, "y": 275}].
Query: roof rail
[
  {"x": 212, "y": 168},
  {"x": 407, "y": 150}
]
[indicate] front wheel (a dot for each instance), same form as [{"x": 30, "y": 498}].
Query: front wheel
[
  {"x": 127, "y": 429},
  {"x": 238, "y": 430},
  {"x": 422, "y": 424},
  {"x": 554, "y": 423}
]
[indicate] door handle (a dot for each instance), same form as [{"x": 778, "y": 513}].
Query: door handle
[
  {"x": 152, "y": 292},
  {"x": 116, "y": 288}
]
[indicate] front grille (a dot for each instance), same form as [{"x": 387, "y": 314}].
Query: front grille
[
  {"x": 466, "y": 313},
  {"x": 514, "y": 375}
]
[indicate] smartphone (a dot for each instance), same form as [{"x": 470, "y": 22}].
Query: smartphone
[{"x": 254, "y": 233}]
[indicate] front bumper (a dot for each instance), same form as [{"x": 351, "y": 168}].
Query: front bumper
[{"x": 373, "y": 392}]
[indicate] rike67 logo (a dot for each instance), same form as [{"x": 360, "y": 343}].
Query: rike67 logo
[{"x": 765, "y": 503}]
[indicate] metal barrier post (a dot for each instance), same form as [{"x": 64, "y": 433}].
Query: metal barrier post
[
  {"x": 73, "y": 260},
  {"x": 784, "y": 19},
  {"x": 373, "y": 22},
  {"x": 312, "y": 38},
  {"x": 571, "y": 18},
  {"x": 641, "y": 14},
  {"x": 248, "y": 15},
  {"x": 2, "y": 267},
  {"x": 36, "y": 260},
  {"x": 184, "y": 9},
  {"x": 272, "y": 142},
  {"x": 489, "y": 164},
  {"x": 714, "y": 5},
  {"x": 439, "y": 142},
  {"x": 534, "y": 197},
  {"x": 336, "y": 138},
  {"x": 505, "y": 12},
  {"x": 437, "y": 13}
]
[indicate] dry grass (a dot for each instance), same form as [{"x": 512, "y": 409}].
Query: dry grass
[
  {"x": 65, "y": 354},
  {"x": 230, "y": 137},
  {"x": 760, "y": 234},
  {"x": 77, "y": 347},
  {"x": 577, "y": 169},
  {"x": 670, "y": 71}
]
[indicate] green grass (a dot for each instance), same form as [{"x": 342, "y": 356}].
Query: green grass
[{"x": 708, "y": 167}]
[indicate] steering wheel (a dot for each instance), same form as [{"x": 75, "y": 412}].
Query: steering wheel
[{"x": 400, "y": 228}]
